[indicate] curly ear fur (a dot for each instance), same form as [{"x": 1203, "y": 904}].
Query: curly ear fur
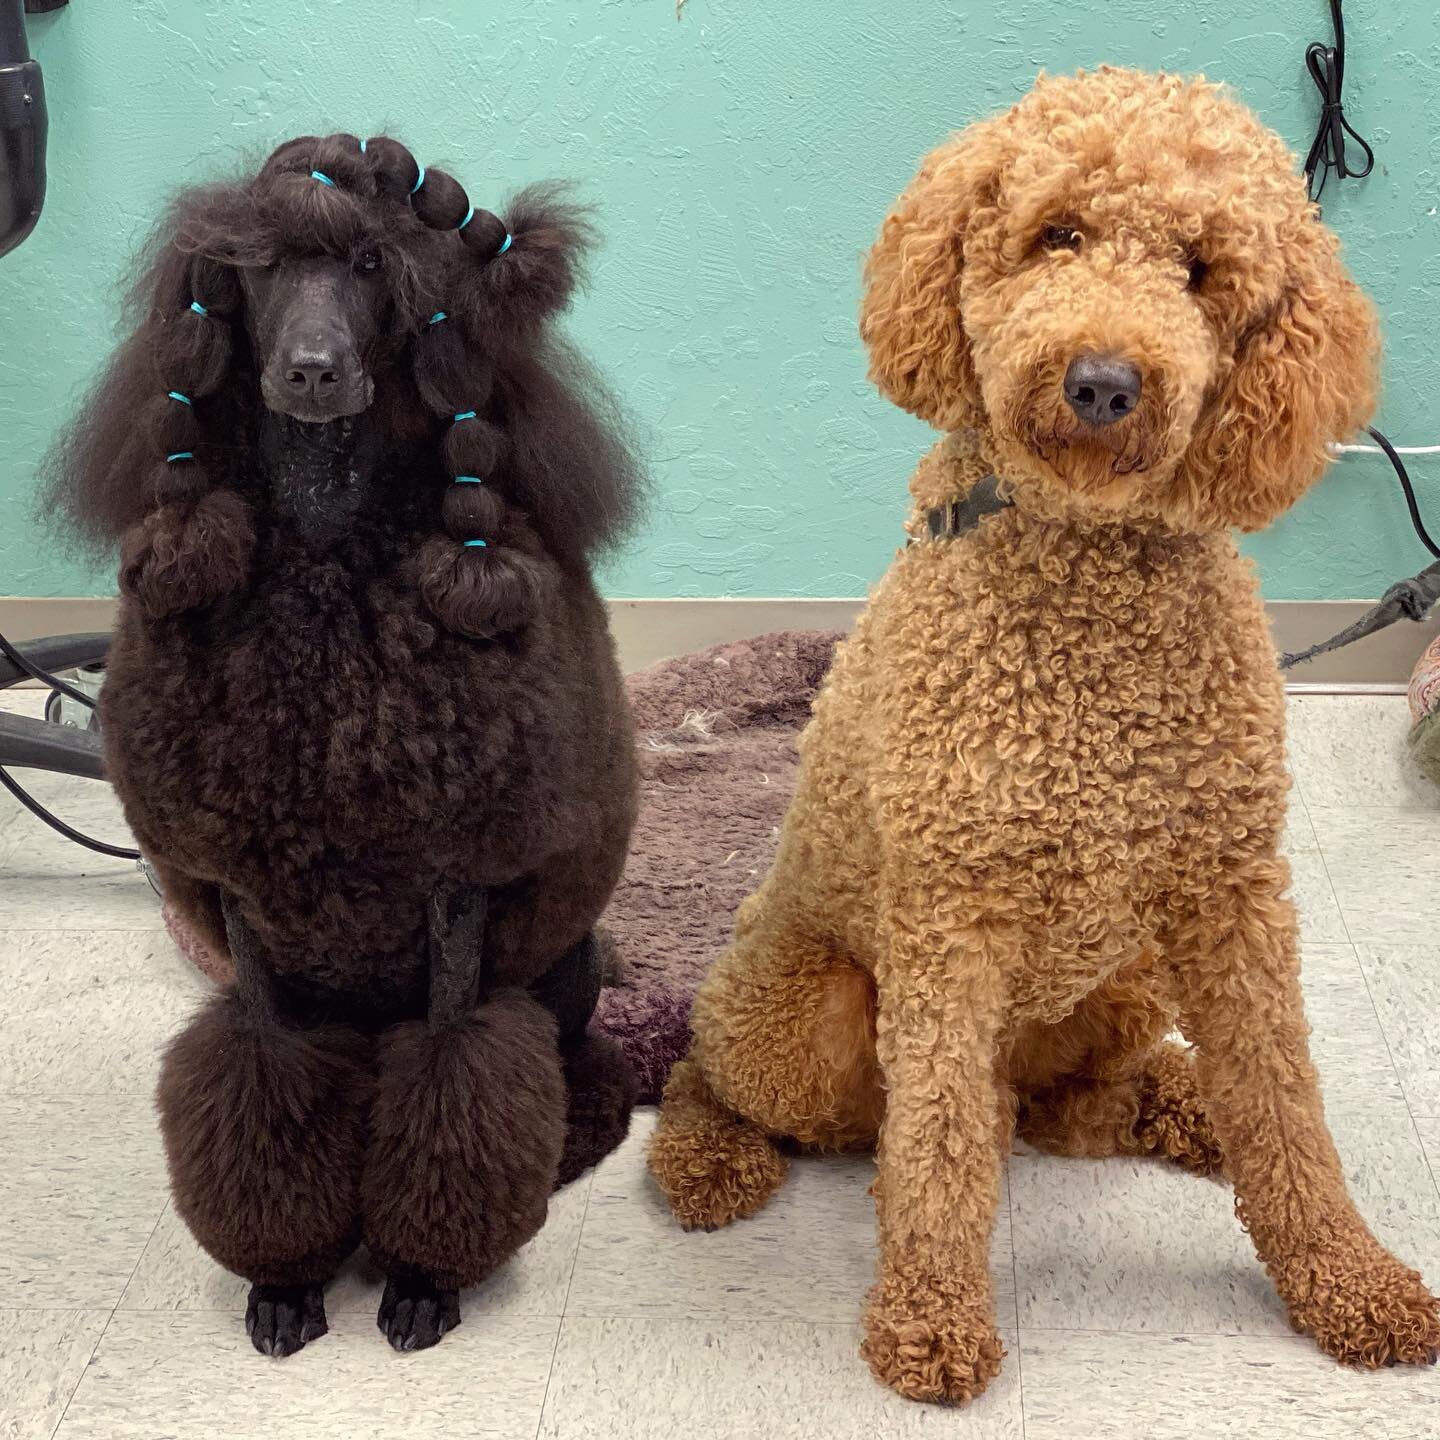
[
  {"x": 485, "y": 592},
  {"x": 910, "y": 316},
  {"x": 107, "y": 473},
  {"x": 545, "y": 434},
  {"x": 187, "y": 553},
  {"x": 1303, "y": 378}
]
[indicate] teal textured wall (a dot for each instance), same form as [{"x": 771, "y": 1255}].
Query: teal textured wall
[{"x": 742, "y": 153}]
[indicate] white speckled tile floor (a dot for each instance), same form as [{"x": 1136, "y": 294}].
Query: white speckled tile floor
[{"x": 1130, "y": 1301}]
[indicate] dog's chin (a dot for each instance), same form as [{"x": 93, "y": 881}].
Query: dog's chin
[{"x": 1085, "y": 473}]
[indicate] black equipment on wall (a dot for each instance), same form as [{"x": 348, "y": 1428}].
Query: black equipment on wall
[
  {"x": 22, "y": 127},
  {"x": 24, "y": 741}
]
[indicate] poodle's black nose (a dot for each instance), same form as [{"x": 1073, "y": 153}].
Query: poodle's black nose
[
  {"x": 1101, "y": 389},
  {"x": 313, "y": 374}
]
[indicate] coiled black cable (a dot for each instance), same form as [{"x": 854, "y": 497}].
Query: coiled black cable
[
  {"x": 21, "y": 662},
  {"x": 1404, "y": 477},
  {"x": 1326, "y": 64},
  {"x": 120, "y": 852}
]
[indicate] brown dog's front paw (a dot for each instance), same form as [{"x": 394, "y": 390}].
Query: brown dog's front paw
[
  {"x": 1368, "y": 1310},
  {"x": 187, "y": 554},
  {"x": 926, "y": 1348}
]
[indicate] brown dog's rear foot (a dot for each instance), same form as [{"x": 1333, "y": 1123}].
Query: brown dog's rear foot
[
  {"x": 281, "y": 1319},
  {"x": 415, "y": 1313}
]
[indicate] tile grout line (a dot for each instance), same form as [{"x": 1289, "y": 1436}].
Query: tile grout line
[
  {"x": 1285, "y": 1337},
  {"x": 80, "y": 1379},
  {"x": 105, "y": 1328},
  {"x": 1374, "y": 1008},
  {"x": 565, "y": 1303},
  {"x": 1015, "y": 1297}
]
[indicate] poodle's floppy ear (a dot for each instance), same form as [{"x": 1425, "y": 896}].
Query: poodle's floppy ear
[
  {"x": 1303, "y": 377},
  {"x": 163, "y": 392},
  {"x": 910, "y": 316}
]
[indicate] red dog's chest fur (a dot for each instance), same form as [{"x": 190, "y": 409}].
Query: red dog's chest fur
[{"x": 1072, "y": 725}]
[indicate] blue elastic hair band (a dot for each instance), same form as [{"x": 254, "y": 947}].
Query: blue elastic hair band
[
  {"x": 465, "y": 415},
  {"x": 508, "y": 238},
  {"x": 469, "y": 216},
  {"x": 323, "y": 179},
  {"x": 362, "y": 147},
  {"x": 183, "y": 399},
  {"x": 180, "y": 455},
  {"x": 468, "y": 480},
  {"x": 419, "y": 180},
  {"x": 198, "y": 308},
  {"x": 475, "y": 542},
  {"x": 437, "y": 317}
]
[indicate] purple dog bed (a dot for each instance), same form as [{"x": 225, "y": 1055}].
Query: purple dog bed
[{"x": 717, "y": 736}]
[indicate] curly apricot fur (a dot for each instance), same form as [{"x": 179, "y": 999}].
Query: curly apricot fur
[{"x": 1043, "y": 790}]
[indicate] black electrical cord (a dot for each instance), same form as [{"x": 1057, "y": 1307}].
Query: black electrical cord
[
  {"x": 56, "y": 684},
  {"x": 20, "y": 662},
  {"x": 1403, "y": 476},
  {"x": 120, "y": 852},
  {"x": 1327, "y": 68}
]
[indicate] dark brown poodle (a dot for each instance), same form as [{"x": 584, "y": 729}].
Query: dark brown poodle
[{"x": 365, "y": 716}]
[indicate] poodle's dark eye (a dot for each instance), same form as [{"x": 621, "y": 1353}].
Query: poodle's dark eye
[
  {"x": 369, "y": 262},
  {"x": 1060, "y": 237},
  {"x": 1198, "y": 271}
]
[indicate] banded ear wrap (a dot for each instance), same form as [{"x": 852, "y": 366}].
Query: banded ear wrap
[
  {"x": 485, "y": 235},
  {"x": 482, "y": 591},
  {"x": 440, "y": 202},
  {"x": 469, "y": 511}
]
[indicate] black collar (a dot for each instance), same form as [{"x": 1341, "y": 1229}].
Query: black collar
[{"x": 960, "y": 517}]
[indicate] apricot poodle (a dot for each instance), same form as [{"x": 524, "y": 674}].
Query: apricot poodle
[{"x": 1038, "y": 821}]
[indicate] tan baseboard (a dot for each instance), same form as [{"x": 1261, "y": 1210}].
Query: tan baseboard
[
  {"x": 651, "y": 630},
  {"x": 24, "y": 618}
]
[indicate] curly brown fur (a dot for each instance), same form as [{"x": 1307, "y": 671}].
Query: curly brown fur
[
  {"x": 466, "y": 1131},
  {"x": 234, "y": 1085},
  {"x": 329, "y": 701},
  {"x": 600, "y": 1092},
  {"x": 1042, "y": 793}
]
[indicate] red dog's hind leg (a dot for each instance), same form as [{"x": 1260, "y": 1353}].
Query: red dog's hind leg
[
  {"x": 264, "y": 1132},
  {"x": 1105, "y": 1081}
]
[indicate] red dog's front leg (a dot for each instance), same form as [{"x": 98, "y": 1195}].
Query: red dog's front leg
[
  {"x": 1237, "y": 975},
  {"x": 930, "y": 1327}
]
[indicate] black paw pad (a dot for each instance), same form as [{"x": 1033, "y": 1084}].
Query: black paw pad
[
  {"x": 281, "y": 1319},
  {"x": 415, "y": 1313}
]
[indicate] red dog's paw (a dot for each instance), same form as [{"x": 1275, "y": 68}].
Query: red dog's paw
[
  {"x": 927, "y": 1348},
  {"x": 1368, "y": 1310}
]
